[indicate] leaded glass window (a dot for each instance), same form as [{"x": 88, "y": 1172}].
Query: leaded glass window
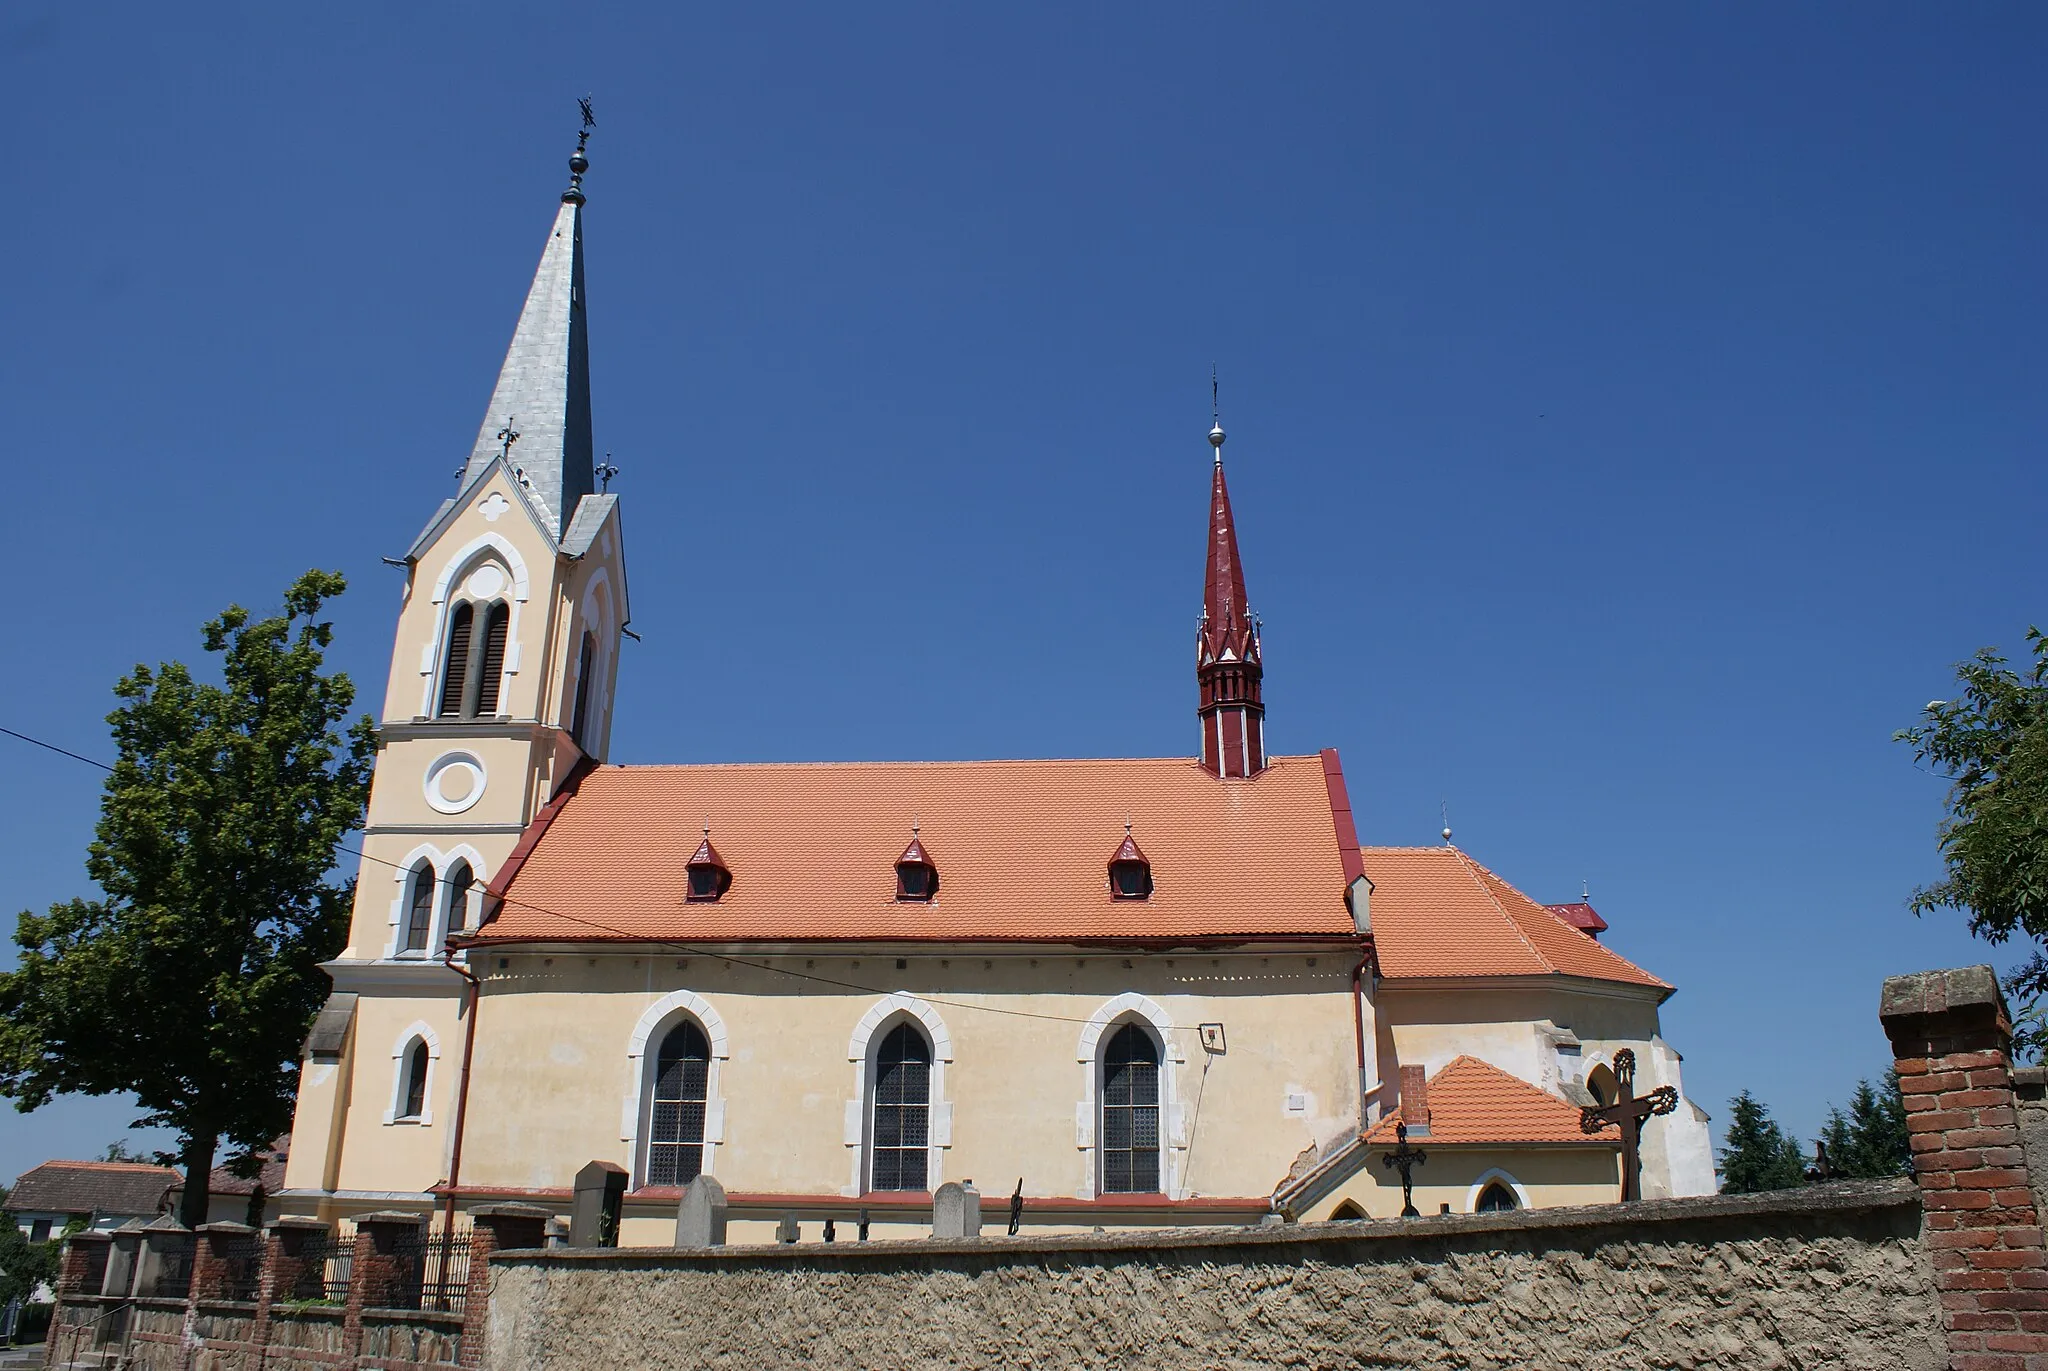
[
  {"x": 419, "y": 919},
  {"x": 675, "y": 1135},
  {"x": 901, "y": 1138},
  {"x": 1130, "y": 1113}
]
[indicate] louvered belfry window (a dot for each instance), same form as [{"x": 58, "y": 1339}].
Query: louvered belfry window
[
  {"x": 415, "y": 1081},
  {"x": 455, "y": 678},
  {"x": 901, "y": 1138},
  {"x": 1130, "y": 1113},
  {"x": 675, "y": 1135},
  {"x": 579, "y": 719},
  {"x": 496, "y": 619},
  {"x": 419, "y": 920}
]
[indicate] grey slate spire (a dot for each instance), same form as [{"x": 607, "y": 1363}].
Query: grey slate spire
[{"x": 543, "y": 390}]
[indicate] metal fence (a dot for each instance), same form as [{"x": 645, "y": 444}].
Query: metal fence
[
  {"x": 433, "y": 1269},
  {"x": 337, "y": 1262},
  {"x": 174, "y": 1270},
  {"x": 242, "y": 1267}
]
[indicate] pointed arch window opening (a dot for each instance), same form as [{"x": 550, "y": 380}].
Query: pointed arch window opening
[
  {"x": 1130, "y": 1111},
  {"x": 579, "y": 719},
  {"x": 473, "y": 659},
  {"x": 416, "y": 1063},
  {"x": 676, "y": 1112},
  {"x": 899, "y": 1112},
  {"x": 419, "y": 917},
  {"x": 461, "y": 881},
  {"x": 1495, "y": 1199}
]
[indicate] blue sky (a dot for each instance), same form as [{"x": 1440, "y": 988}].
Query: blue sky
[{"x": 1634, "y": 411}]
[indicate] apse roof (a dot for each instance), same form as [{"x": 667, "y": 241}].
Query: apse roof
[{"x": 1471, "y": 1101}]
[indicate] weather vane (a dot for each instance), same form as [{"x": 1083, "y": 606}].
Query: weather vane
[{"x": 589, "y": 119}]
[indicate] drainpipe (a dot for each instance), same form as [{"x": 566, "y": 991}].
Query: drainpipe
[{"x": 462, "y": 1091}]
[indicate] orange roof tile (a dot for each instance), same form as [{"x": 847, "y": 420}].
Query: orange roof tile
[
  {"x": 1436, "y": 912},
  {"x": 1020, "y": 848},
  {"x": 1471, "y": 1101}
]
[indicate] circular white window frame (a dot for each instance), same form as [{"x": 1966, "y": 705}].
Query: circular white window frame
[{"x": 447, "y": 760}]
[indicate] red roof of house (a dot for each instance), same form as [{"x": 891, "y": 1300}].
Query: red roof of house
[
  {"x": 1471, "y": 1101},
  {"x": 1436, "y": 912},
  {"x": 1581, "y": 916},
  {"x": 67, "y": 1187}
]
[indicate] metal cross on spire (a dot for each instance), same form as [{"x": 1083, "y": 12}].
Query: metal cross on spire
[
  {"x": 605, "y": 472},
  {"x": 1405, "y": 1159},
  {"x": 1629, "y": 1113},
  {"x": 507, "y": 436}
]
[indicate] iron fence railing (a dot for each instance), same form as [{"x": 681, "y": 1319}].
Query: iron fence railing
[
  {"x": 242, "y": 1267},
  {"x": 433, "y": 1269},
  {"x": 174, "y": 1271}
]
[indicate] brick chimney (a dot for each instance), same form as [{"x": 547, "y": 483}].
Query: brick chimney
[{"x": 1414, "y": 1097}]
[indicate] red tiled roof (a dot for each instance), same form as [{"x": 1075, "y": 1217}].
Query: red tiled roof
[
  {"x": 1471, "y": 1101},
  {"x": 812, "y": 850},
  {"x": 1436, "y": 912}
]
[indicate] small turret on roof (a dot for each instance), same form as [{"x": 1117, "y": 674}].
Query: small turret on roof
[{"x": 1228, "y": 664}]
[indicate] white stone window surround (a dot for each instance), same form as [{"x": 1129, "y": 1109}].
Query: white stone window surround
[
  {"x": 636, "y": 1111},
  {"x": 595, "y": 618},
  {"x": 881, "y": 1017},
  {"x": 453, "y": 572},
  {"x": 1491, "y": 1175},
  {"x": 1131, "y": 1007},
  {"x": 444, "y": 894},
  {"x": 418, "y": 1031}
]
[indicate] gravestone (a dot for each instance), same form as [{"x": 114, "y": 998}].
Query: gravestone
[
  {"x": 956, "y": 1211},
  {"x": 600, "y": 1198},
  {"x": 789, "y": 1230},
  {"x": 700, "y": 1218}
]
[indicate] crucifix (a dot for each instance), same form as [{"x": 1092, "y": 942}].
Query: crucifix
[
  {"x": 1629, "y": 1114},
  {"x": 1405, "y": 1159}
]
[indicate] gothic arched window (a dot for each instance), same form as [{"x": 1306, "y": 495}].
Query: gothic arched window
[
  {"x": 419, "y": 916},
  {"x": 461, "y": 880},
  {"x": 415, "y": 1081},
  {"x": 1495, "y": 1199},
  {"x": 496, "y": 620},
  {"x": 1130, "y": 1113},
  {"x": 899, "y": 1133},
  {"x": 455, "y": 672},
  {"x": 675, "y": 1134}
]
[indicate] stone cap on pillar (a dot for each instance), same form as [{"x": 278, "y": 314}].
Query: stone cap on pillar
[
  {"x": 513, "y": 1211},
  {"x": 391, "y": 1218},
  {"x": 164, "y": 1223},
  {"x": 297, "y": 1223},
  {"x": 89, "y": 1235},
  {"x": 227, "y": 1228},
  {"x": 1967, "y": 996}
]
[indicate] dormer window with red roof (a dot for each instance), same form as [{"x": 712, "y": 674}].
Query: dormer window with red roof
[
  {"x": 1130, "y": 874},
  {"x": 916, "y": 877},
  {"x": 709, "y": 875}
]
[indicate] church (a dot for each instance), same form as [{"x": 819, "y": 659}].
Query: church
[{"x": 1142, "y": 991}]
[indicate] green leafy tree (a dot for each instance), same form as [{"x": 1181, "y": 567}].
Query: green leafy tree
[
  {"x": 1759, "y": 1154},
  {"x": 1992, "y": 744},
  {"x": 1870, "y": 1140},
  {"x": 191, "y": 980},
  {"x": 23, "y": 1264}
]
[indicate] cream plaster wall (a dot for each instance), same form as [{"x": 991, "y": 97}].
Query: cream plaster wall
[
  {"x": 1546, "y": 1177},
  {"x": 555, "y": 1086}
]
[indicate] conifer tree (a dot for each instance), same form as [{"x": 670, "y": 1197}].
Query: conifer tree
[
  {"x": 1870, "y": 1140},
  {"x": 1759, "y": 1155},
  {"x": 190, "y": 980}
]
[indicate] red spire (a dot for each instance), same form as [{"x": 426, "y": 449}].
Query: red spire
[{"x": 1227, "y": 652}]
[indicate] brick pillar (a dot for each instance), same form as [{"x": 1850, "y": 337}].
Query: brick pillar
[
  {"x": 210, "y": 1269},
  {"x": 374, "y": 1278},
  {"x": 83, "y": 1254},
  {"x": 499, "y": 1228},
  {"x": 288, "y": 1248},
  {"x": 1952, "y": 1039}
]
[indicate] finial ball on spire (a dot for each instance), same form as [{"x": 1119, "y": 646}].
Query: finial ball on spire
[{"x": 1216, "y": 437}]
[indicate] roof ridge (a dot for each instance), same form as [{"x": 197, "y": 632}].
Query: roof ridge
[
  {"x": 1472, "y": 868},
  {"x": 1549, "y": 913}
]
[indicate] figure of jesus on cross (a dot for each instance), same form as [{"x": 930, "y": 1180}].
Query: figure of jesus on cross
[{"x": 1629, "y": 1113}]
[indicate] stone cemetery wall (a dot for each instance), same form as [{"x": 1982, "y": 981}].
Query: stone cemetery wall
[{"x": 1833, "y": 1276}]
